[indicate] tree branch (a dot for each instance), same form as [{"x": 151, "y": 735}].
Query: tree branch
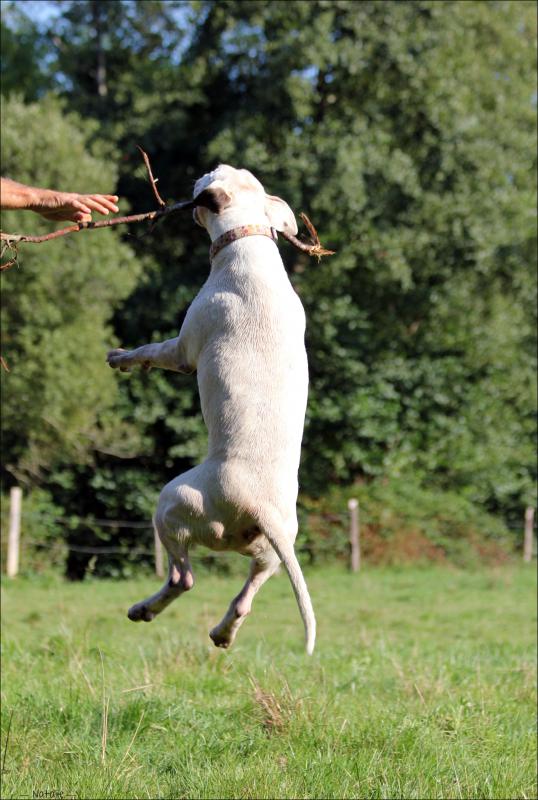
[
  {"x": 16, "y": 238},
  {"x": 11, "y": 240},
  {"x": 152, "y": 180},
  {"x": 314, "y": 247}
]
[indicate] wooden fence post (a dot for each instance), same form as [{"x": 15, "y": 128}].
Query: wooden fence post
[
  {"x": 159, "y": 563},
  {"x": 529, "y": 534},
  {"x": 354, "y": 534},
  {"x": 13, "y": 542}
]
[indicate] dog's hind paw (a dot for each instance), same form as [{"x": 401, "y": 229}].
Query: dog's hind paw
[
  {"x": 140, "y": 613},
  {"x": 219, "y": 640}
]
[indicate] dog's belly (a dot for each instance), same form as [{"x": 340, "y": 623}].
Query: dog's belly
[
  {"x": 254, "y": 404},
  {"x": 248, "y": 541}
]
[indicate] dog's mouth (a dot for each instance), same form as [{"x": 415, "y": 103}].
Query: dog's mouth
[{"x": 215, "y": 199}]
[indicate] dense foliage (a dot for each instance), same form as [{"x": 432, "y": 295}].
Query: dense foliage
[{"x": 405, "y": 130}]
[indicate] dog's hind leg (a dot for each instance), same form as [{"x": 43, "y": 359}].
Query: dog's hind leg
[
  {"x": 180, "y": 579},
  {"x": 261, "y": 568}
]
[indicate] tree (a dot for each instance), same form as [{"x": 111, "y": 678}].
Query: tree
[
  {"x": 407, "y": 132},
  {"x": 59, "y": 397},
  {"x": 23, "y": 52}
]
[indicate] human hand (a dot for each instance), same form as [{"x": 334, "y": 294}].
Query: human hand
[{"x": 58, "y": 206}]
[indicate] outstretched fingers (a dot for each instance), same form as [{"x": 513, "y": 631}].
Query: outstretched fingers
[
  {"x": 56, "y": 206},
  {"x": 103, "y": 203}
]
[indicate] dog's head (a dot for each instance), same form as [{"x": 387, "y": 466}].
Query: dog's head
[{"x": 229, "y": 189}]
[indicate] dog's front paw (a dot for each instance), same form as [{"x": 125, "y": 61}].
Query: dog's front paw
[{"x": 119, "y": 359}]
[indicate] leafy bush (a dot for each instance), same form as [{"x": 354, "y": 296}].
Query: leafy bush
[{"x": 401, "y": 522}]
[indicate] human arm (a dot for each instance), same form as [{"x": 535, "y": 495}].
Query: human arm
[{"x": 54, "y": 205}]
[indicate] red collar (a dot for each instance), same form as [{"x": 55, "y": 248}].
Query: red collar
[{"x": 240, "y": 233}]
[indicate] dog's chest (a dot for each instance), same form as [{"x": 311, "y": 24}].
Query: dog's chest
[{"x": 254, "y": 313}]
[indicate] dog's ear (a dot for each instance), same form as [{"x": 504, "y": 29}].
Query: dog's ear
[
  {"x": 280, "y": 215},
  {"x": 213, "y": 198}
]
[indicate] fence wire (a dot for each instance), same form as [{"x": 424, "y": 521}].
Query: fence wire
[{"x": 96, "y": 524}]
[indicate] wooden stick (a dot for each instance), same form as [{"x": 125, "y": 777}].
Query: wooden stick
[
  {"x": 152, "y": 180},
  {"x": 15, "y": 238},
  {"x": 8, "y": 264},
  {"x": 313, "y": 248}
]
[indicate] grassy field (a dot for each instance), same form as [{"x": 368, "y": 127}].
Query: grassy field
[{"x": 422, "y": 686}]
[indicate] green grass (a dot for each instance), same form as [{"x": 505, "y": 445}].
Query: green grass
[{"x": 422, "y": 685}]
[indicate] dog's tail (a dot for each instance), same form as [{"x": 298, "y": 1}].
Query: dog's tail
[{"x": 286, "y": 553}]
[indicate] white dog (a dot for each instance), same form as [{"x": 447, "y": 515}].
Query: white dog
[{"x": 244, "y": 335}]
